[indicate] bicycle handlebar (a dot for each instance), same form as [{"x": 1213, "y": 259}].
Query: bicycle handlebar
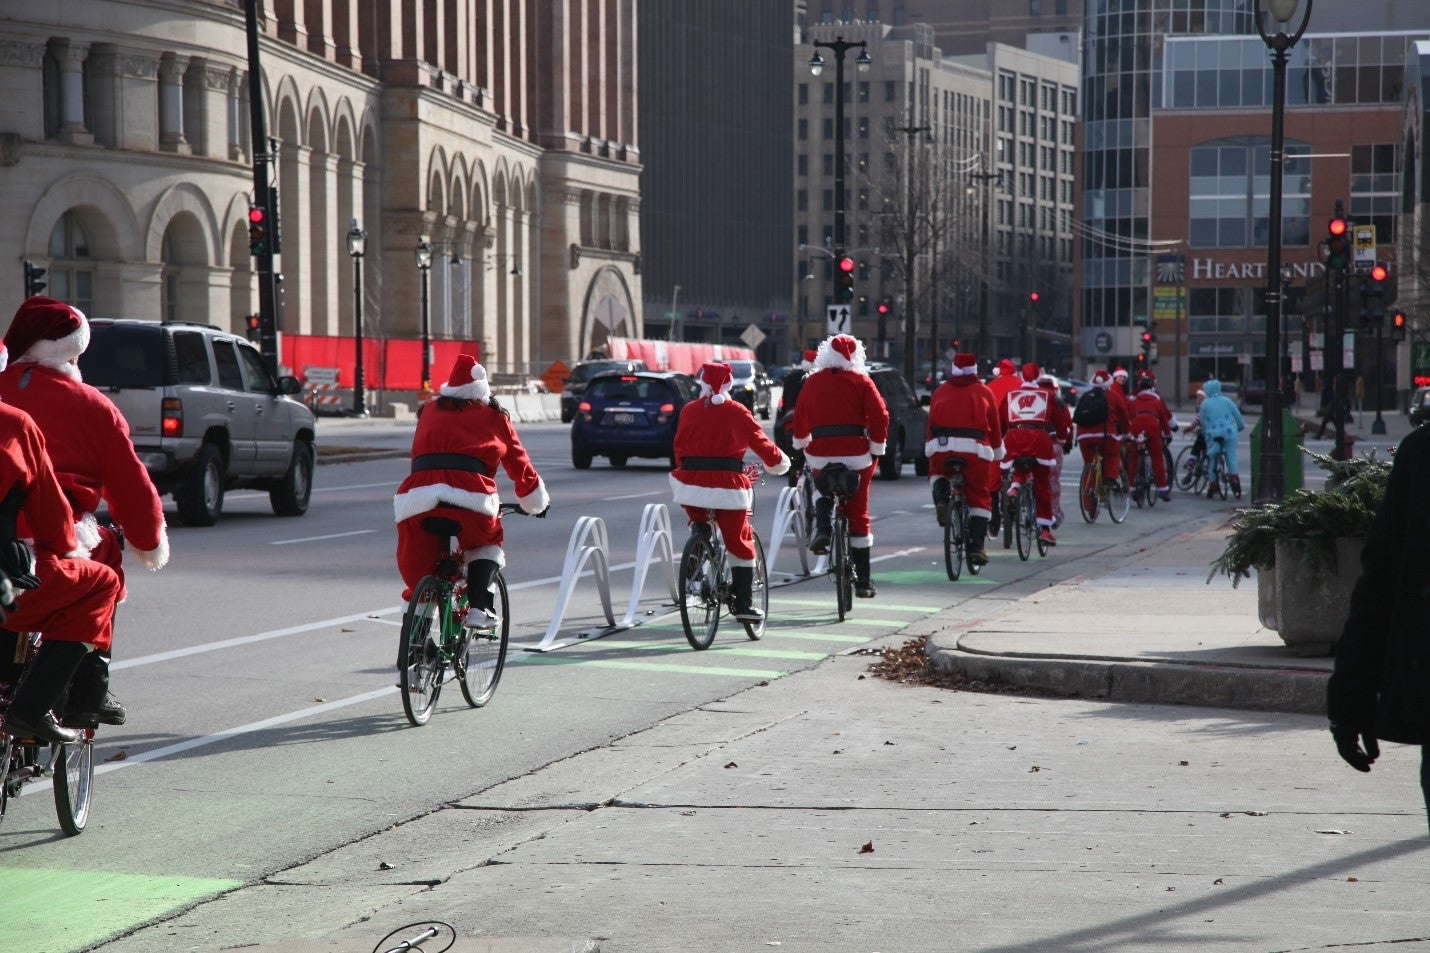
[{"x": 504, "y": 508}]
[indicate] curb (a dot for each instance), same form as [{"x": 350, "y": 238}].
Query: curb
[{"x": 355, "y": 457}]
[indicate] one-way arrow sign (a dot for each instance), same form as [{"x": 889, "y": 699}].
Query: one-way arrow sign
[{"x": 838, "y": 319}]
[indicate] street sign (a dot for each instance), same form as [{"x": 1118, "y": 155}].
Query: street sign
[
  {"x": 1348, "y": 349},
  {"x": 320, "y": 375},
  {"x": 837, "y": 318},
  {"x": 1102, "y": 341},
  {"x": 1365, "y": 247},
  {"x": 1243, "y": 358},
  {"x": 752, "y": 336},
  {"x": 1295, "y": 363},
  {"x": 1318, "y": 360}
]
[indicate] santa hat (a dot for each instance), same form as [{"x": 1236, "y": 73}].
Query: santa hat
[
  {"x": 1200, "y": 392},
  {"x": 468, "y": 380},
  {"x": 843, "y": 351},
  {"x": 1031, "y": 372},
  {"x": 809, "y": 355},
  {"x": 964, "y": 365},
  {"x": 48, "y": 331},
  {"x": 1146, "y": 380},
  {"x": 1005, "y": 368},
  {"x": 1120, "y": 374},
  {"x": 1102, "y": 380},
  {"x": 715, "y": 380}
]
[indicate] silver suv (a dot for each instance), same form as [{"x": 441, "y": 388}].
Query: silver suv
[{"x": 204, "y": 414}]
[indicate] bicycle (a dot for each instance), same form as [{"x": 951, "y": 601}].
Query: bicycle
[
  {"x": 1144, "y": 483},
  {"x": 1219, "y": 481},
  {"x": 1191, "y": 467},
  {"x": 69, "y": 766},
  {"x": 1005, "y": 506},
  {"x": 434, "y": 634},
  {"x": 804, "y": 496},
  {"x": 955, "y": 521},
  {"x": 840, "y": 483},
  {"x": 1023, "y": 509},
  {"x": 705, "y": 584},
  {"x": 1095, "y": 491}
]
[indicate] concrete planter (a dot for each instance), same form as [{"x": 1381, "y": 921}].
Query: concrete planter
[
  {"x": 1312, "y": 601},
  {"x": 1266, "y": 597}
]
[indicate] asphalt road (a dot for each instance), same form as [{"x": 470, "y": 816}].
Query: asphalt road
[{"x": 265, "y": 729}]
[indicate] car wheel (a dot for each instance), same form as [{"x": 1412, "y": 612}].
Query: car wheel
[
  {"x": 618, "y": 461},
  {"x": 921, "y": 466},
  {"x": 580, "y": 459},
  {"x": 200, "y": 496},
  {"x": 891, "y": 464},
  {"x": 290, "y": 497},
  {"x": 567, "y": 416}
]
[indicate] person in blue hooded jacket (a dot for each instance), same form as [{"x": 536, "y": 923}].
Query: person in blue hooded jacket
[{"x": 1220, "y": 418}]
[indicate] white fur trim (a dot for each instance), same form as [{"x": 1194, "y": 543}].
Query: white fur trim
[
  {"x": 1000, "y": 453},
  {"x": 801, "y": 442},
  {"x": 971, "y": 371},
  {"x": 66, "y": 349},
  {"x": 537, "y": 500},
  {"x": 853, "y": 463},
  {"x": 734, "y": 560},
  {"x": 710, "y": 497},
  {"x": 421, "y": 499},
  {"x": 827, "y": 357},
  {"x": 958, "y": 445},
  {"x": 1098, "y": 435},
  {"x": 1045, "y": 522},
  {"x": 861, "y": 542},
  {"x": 476, "y": 390},
  {"x": 86, "y": 532},
  {"x": 980, "y": 511},
  {"x": 781, "y": 468},
  {"x": 4, "y": 357},
  {"x": 1032, "y": 385},
  {"x": 494, "y": 553},
  {"x": 158, "y": 557},
  {"x": 66, "y": 367},
  {"x": 878, "y": 449}
]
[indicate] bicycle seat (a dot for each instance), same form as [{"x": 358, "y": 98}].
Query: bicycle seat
[
  {"x": 1026, "y": 460},
  {"x": 953, "y": 464},
  {"x": 441, "y": 526},
  {"x": 837, "y": 480}
]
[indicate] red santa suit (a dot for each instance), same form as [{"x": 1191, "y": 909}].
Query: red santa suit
[
  {"x": 1031, "y": 416},
  {"x": 1005, "y": 379},
  {"x": 963, "y": 424},
  {"x": 86, "y": 435},
  {"x": 710, "y": 443},
  {"x": 841, "y": 418},
  {"x": 1151, "y": 417},
  {"x": 1107, "y": 435},
  {"x": 459, "y": 442}
]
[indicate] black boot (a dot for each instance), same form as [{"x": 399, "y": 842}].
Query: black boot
[
  {"x": 941, "y": 495},
  {"x": 863, "y": 585},
  {"x": 90, "y": 704},
  {"x": 743, "y": 579},
  {"x": 42, "y": 689},
  {"x": 973, "y": 545},
  {"x": 823, "y": 517},
  {"x": 481, "y": 602}
]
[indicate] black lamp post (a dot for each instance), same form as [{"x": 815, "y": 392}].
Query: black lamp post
[
  {"x": 985, "y": 333},
  {"x": 424, "y": 265},
  {"x": 357, "y": 240},
  {"x": 839, "y": 47},
  {"x": 1271, "y": 483}
]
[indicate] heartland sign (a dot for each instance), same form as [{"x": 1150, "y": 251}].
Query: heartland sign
[{"x": 1209, "y": 269}]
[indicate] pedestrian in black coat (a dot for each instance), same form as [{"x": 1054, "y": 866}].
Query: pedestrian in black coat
[{"x": 1380, "y": 688}]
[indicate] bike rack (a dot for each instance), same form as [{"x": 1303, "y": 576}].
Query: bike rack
[
  {"x": 654, "y": 543},
  {"x": 589, "y": 543},
  {"x": 786, "y": 513}
]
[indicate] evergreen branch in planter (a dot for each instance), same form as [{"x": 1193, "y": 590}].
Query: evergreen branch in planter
[{"x": 1354, "y": 489}]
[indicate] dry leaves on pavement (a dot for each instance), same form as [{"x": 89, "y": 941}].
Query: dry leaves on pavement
[{"x": 909, "y": 665}]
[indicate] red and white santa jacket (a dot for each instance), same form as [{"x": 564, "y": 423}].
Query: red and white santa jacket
[
  {"x": 964, "y": 419},
  {"x": 1031, "y": 417},
  {"x": 840, "y": 417},
  {"x": 477, "y": 431},
  {"x": 92, "y": 454},
  {"x": 710, "y": 444},
  {"x": 1146, "y": 407},
  {"x": 24, "y": 462}
]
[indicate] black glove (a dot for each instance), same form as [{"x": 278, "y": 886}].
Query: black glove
[
  {"x": 8, "y": 595},
  {"x": 18, "y": 562},
  {"x": 1349, "y": 744},
  {"x": 542, "y": 514},
  {"x": 1067, "y": 446}
]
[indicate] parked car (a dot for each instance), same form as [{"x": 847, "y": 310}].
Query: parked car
[
  {"x": 624, "y": 415},
  {"x": 1253, "y": 395},
  {"x": 1071, "y": 390},
  {"x": 751, "y": 386},
  {"x": 204, "y": 414},
  {"x": 1420, "y": 406},
  {"x": 908, "y": 423},
  {"x": 581, "y": 375}
]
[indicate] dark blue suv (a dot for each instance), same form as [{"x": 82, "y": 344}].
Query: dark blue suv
[{"x": 629, "y": 415}]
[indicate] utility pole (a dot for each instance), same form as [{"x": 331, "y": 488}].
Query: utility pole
[
  {"x": 985, "y": 336},
  {"x": 910, "y": 259},
  {"x": 269, "y": 316},
  {"x": 839, "y": 47}
]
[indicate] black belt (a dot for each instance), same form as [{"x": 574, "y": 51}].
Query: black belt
[
  {"x": 449, "y": 461},
  {"x": 973, "y": 433},
  {"x": 1028, "y": 426},
  {"x": 838, "y": 430},
  {"x": 733, "y": 464},
  {"x": 1146, "y": 413}
]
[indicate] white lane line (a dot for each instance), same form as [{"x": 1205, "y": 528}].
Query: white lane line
[
  {"x": 632, "y": 496},
  {"x": 325, "y": 489},
  {"x": 314, "y": 539},
  {"x": 902, "y": 552},
  {"x": 371, "y": 616}
]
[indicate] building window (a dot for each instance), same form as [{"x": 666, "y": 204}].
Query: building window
[
  {"x": 801, "y": 200},
  {"x": 803, "y": 130},
  {"x": 864, "y": 91},
  {"x": 804, "y": 94},
  {"x": 1230, "y": 194},
  {"x": 71, "y": 276},
  {"x": 828, "y": 163},
  {"x": 891, "y": 90},
  {"x": 1035, "y": 8},
  {"x": 801, "y": 164},
  {"x": 827, "y": 127},
  {"x": 1374, "y": 194},
  {"x": 828, "y": 93}
]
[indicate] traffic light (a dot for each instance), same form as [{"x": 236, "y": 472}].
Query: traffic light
[
  {"x": 257, "y": 230},
  {"x": 275, "y": 227},
  {"x": 1033, "y": 297},
  {"x": 1149, "y": 349},
  {"x": 1372, "y": 294},
  {"x": 1397, "y": 322},
  {"x": 254, "y": 327},
  {"x": 33, "y": 284},
  {"x": 845, "y": 281},
  {"x": 1338, "y": 244},
  {"x": 883, "y": 309}
]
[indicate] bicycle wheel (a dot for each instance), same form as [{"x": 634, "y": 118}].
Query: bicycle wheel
[
  {"x": 1010, "y": 514},
  {"x": 483, "y": 656},
  {"x": 1119, "y": 503},
  {"x": 1087, "y": 492},
  {"x": 1150, "y": 480},
  {"x": 419, "y": 649},
  {"x": 1184, "y": 469},
  {"x": 965, "y": 540},
  {"x": 1216, "y": 484},
  {"x": 842, "y": 567},
  {"x": 1026, "y": 523},
  {"x": 73, "y": 779},
  {"x": 699, "y": 586},
  {"x": 1200, "y": 474},
  {"x": 759, "y": 593},
  {"x": 8, "y": 753},
  {"x": 953, "y": 529}
]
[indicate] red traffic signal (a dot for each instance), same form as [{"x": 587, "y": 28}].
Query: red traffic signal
[
  {"x": 1033, "y": 296},
  {"x": 1146, "y": 337},
  {"x": 846, "y": 265},
  {"x": 256, "y": 215},
  {"x": 1398, "y": 319},
  {"x": 1378, "y": 273},
  {"x": 883, "y": 307},
  {"x": 1337, "y": 226}
]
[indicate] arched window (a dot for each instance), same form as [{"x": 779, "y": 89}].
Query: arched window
[{"x": 71, "y": 268}]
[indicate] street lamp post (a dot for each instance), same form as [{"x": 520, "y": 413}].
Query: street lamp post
[
  {"x": 911, "y": 366},
  {"x": 357, "y": 240},
  {"x": 1271, "y": 485},
  {"x": 423, "y": 253},
  {"x": 839, "y": 47},
  {"x": 985, "y": 339}
]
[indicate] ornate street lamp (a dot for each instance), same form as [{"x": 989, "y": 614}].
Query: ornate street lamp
[
  {"x": 423, "y": 253},
  {"x": 357, "y": 241},
  {"x": 816, "y": 66}
]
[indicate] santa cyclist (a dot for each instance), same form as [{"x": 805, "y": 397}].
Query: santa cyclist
[
  {"x": 1031, "y": 417},
  {"x": 94, "y": 460},
  {"x": 841, "y": 418},
  {"x": 462, "y": 436},
  {"x": 1103, "y": 427},
  {"x": 963, "y": 424},
  {"x": 710, "y": 443},
  {"x": 1005, "y": 379},
  {"x": 1151, "y": 418}
]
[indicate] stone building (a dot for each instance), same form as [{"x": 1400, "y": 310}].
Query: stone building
[{"x": 504, "y": 131}]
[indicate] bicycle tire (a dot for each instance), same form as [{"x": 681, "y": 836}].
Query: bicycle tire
[
  {"x": 1184, "y": 469},
  {"x": 973, "y": 568},
  {"x": 953, "y": 540},
  {"x": 488, "y": 651},
  {"x": 1218, "y": 480},
  {"x": 1010, "y": 513},
  {"x": 1026, "y": 522},
  {"x": 843, "y": 568},
  {"x": 699, "y": 586},
  {"x": 1199, "y": 475},
  {"x": 1118, "y": 502},
  {"x": 72, "y": 782},
  {"x": 421, "y": 681},
  {"x": 760, "y": 594},
  {"x": 1087, "y": 492},
  {"x": 1151, "y": 477}
]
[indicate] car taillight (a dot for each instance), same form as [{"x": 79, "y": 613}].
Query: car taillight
[
  {"x": 584, "y": 407},
  {"x": 172, "y": 422},
  {"x": 665, "y": 411}
]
